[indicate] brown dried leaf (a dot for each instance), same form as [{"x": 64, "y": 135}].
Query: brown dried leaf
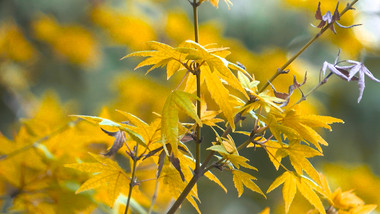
[{"x": 117, "y": 144}]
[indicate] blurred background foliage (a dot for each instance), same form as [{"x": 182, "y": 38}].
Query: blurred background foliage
[{"x": 69, "y": 52}]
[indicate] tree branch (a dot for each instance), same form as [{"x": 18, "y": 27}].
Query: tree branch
[{"x": 311, "y": 41}]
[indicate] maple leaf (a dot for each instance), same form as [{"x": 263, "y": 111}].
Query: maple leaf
[
  {"x": 209, "y": 117},
  {"x": 149, "y": 132},
  {"x": 244, "y": 179},
  {"x": 293, "y": 182},
  {"x": 176, "y": 101},
  {"x": 205, "y": 57},
  {"x": 160, "y": 56},
  {"x": 304, "y": 125},
  {"x": 213, "y": 178},
  {"x": 219, "y": 94},
  {"x": 249, "y": 83},
  {"x": 108, "y": 175},
  {"x": 298, "y": 154},
  {"x": 277, "y": 128},
  {"x": 325, "y": 188},
  {"x": 272, "y": 148},
  {"x": 263, "y": 100}
]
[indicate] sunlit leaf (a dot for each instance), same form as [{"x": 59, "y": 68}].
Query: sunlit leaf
[
  {"x": 244, "y": 179},
  {"x": 177, "y": 101},
  {"x": 108, "y": 176}
]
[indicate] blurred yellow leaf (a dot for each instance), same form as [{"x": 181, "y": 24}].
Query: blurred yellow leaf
[
  {"x": 14, "y": 45},
  {"x": 72, "y": 42}
]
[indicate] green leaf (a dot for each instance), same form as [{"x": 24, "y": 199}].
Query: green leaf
[{"x": 218, "y": 148}]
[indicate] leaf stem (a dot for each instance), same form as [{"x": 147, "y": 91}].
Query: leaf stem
[
  {"x": 198, "y": 76},
  {"x": 132, "y": 183},
  {"x": 154, "y": 197},
  {"x": 303, "y": 98},
  {"x": 311, "y": 41},
  {"x": 195, "y": 5}
]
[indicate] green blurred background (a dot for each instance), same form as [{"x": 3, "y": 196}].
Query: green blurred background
[{"x": 73, "y": 48}]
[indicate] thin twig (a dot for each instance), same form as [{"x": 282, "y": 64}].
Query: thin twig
[
  {"x": 304, "y": 96},
  {"x": 311, "y": 41},
  {"x": 154, "y": 197},
  {"x": 132, "y": 183},
  {"x": 182, "y": 80},
  {"x": 198, "y": 76}
]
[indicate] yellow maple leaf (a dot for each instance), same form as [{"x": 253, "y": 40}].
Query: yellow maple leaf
[
  {"x": 103, "y": 122},
  {"x": 272, "y": 148},
  {"x": 244, "y": 179},
  {"x": 208, "y": 117},
  {"x": 298, "y": 154},
  {"x": 213, "y": 178},
  {"x": 108, "y": 175},
  {"x": 292, "y": 182},
  {"x": 219, "y": 94},
  {"x": 288, "y": 190},
  {"x": 305, "y": 125},
  {"x": 161, "y": 55},
  {"x": 206, "y": 57},
  {"x": 177, "y": 101},
  {"x": 149, "y": 132},
  {"x": 263, "y": 100}
]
